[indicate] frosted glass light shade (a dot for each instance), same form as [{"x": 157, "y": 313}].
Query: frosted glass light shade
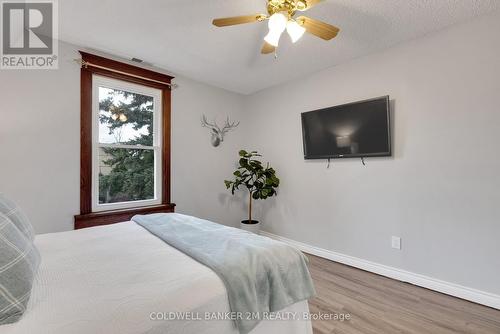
[
  {"x": 273, "y": 38},
  {"x": 277, "y": 22},
  {"x": 295, "y": 30}
]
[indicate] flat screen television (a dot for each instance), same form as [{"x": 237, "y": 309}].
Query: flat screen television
[{"x": 360, "y": 129}]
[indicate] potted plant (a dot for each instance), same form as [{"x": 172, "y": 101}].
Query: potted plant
[{"x": 261, "y": 183}]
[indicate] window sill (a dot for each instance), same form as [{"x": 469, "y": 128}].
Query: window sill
[{"x": 118, "y": 216}]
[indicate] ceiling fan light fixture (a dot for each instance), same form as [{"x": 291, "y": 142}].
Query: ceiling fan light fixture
[
  {"x": 295, "y": 30},
  {"x": 280, "y": 14}
]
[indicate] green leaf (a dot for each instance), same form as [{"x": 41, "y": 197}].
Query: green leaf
[{"x": 243, "y": 162}]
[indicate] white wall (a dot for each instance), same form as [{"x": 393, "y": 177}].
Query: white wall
[
  {"x": 40, "y": 145},
  {"x": 40, "y": 142},
  {"x": 199, "y": 169},
  {"x": 440, "y": 191}
]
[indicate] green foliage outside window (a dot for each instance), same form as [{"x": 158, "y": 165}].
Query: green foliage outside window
[{"x": 131, "y": 175}]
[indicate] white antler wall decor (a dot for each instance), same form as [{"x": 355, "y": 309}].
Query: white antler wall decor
[{"x": 218, "y": 133}]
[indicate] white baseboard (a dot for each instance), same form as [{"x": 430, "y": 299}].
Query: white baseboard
[{"x": 473, "y": 295}]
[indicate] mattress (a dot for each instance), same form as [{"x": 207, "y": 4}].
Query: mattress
[{"x": 121, "y": 279}]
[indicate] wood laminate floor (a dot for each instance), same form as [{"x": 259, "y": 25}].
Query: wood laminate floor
[{"x": 381, "y": 305}]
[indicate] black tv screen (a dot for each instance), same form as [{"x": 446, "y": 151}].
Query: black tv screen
[{"x": 360, "y": 129}]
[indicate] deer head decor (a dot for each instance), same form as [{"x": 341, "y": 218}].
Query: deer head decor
[{"x": 218, "y": 133}]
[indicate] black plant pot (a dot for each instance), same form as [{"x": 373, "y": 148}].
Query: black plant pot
[{"x": 250, "y": 222}]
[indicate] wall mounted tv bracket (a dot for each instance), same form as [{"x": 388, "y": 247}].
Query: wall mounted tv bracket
[{"x": 329, "y": 160}]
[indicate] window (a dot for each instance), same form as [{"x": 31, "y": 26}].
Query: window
[
  {"x": 125, "y": 141},
  {"x": 126, "y": 146}
]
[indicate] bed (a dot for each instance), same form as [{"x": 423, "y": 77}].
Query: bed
[{"x": 107, "y": 279}]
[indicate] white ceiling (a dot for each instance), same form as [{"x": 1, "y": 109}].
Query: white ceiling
[{"x": 177, "y": 35}]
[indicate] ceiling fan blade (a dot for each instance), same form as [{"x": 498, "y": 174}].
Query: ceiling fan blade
[
  {"x": 321, "y": 29},
  {"x": 231, "y": 21},
  {"x": 303, "y": 5},
  {"x": 267, "y": 48}
]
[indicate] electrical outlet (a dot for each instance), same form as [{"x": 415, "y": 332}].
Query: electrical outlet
[{"x": 396, "y": 242}]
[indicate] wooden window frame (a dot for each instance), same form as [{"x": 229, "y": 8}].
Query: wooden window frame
[{"x": 97, "y": 65}]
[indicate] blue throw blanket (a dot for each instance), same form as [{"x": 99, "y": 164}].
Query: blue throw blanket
[{"x": 260, "y": 274}]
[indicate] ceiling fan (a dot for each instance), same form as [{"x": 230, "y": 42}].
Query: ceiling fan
[{"x": 281, "y": 16}]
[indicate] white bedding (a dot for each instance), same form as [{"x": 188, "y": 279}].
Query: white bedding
[{"x": 107, "y": 280}]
